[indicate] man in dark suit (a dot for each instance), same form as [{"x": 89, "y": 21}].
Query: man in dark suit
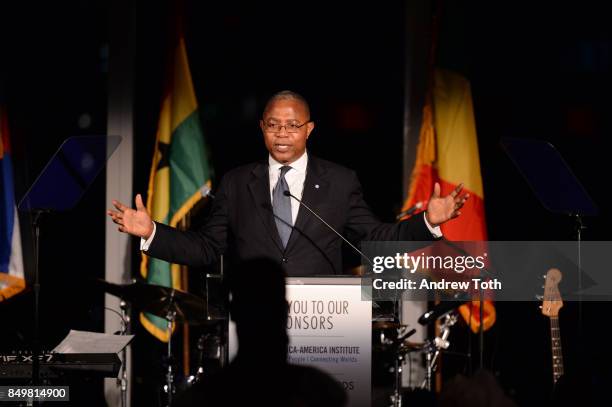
[{"x": 253, "y": 217}]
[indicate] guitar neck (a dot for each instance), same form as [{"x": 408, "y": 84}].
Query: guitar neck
[{"x": 557, "y": 352}]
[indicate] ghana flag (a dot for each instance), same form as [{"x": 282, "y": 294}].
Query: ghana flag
[
  {"x": 447, "y": 153},
  {"x": 179, "y": 169}
]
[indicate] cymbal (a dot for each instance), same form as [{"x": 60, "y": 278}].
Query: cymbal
[
  {"x": 413, "y": 346},
  {"x": 386, "y": 325},
  {"x": 161, "y": 301}
]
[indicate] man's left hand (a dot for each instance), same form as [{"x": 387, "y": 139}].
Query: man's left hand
[{"x": 443, "y": 208}]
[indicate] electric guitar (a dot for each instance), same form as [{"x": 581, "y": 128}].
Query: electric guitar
[{"x": 551, "y": 304}]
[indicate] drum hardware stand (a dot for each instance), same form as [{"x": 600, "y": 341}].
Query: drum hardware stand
[
  {"x": 402, "y": 334},
  {"x": 433, "y": 348},
  {"x": 125, "y": 320},
  {"x": 220, "y": 330},
  {"x": 200, "y": 370},
  {"x": 197, "y": 377},
  {"x": 172, "y": 305},
  {"x": 396, "y": 397},
  {"x": 122, "y": 380},
  {"x": 169, "y": 388}
]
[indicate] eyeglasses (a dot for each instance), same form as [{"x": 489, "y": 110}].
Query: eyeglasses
[{"x": 290, "y": 128}]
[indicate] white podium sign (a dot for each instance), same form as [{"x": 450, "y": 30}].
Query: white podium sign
[{"x": 330, "y": 327}]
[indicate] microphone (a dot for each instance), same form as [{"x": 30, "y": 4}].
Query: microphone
[
  {"x": 410, "y": 211},
  {"x": 438, "y": 310},
  {"x": 206, "y": 192},
  {"x": 330, "y": 227}
]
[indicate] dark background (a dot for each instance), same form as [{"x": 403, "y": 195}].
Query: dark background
[{"x": 538, "y": 71}]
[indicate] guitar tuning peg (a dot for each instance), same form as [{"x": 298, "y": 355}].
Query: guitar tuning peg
[
  {"x": 539, "y": 306},
  {"x": 544, "y": 276},
  {"x": 539, "y": 297}
]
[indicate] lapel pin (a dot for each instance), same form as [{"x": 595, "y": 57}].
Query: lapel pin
[{"x": 317, "y": 186}]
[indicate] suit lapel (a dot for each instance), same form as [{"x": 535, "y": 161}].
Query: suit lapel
[
  {"x": 259, "y": 185},
  {"x": 315, "y": 189}
]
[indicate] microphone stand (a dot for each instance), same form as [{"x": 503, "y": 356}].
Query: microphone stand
[
  {"x": 330, "y": 227},
  {"x": 36, "y": 335}
]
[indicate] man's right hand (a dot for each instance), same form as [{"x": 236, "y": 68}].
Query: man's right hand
[{"x": 135, "y": 222}]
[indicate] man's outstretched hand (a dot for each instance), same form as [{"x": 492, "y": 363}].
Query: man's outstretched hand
[
  {"x": 443, "y": 208},
  {"x": 136, "y": 222}
]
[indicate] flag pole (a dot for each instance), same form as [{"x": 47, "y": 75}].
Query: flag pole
[{"x": 184, "y": 225}]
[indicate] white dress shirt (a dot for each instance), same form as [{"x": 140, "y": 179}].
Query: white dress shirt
[{"x": 295, "y": 178}]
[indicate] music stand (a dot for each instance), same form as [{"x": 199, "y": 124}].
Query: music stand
[
  {"x": 555, "y": 185},
  {"x": 59, "y": 187}
]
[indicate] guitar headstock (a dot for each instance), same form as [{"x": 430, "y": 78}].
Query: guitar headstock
[{"x": 552, "y": 303}]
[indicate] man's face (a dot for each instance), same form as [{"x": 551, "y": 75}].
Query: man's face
[{"x": 287, "y": 144}]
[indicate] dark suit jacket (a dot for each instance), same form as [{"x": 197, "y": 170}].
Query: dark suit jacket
[{"x": 242, "y": 221}]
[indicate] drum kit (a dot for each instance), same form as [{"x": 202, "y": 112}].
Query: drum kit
[
  {"x": 391, "y": 346},
  {"x": 390, "y": 339},
  {"x": 176, "y": 307}
]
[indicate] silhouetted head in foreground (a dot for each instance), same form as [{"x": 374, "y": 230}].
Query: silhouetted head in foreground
[
  {"x": 480, "y": 390},
  {"x": 260, "y": 375},
  {"x": 259, "y": 309}
]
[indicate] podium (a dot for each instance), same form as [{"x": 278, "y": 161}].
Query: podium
[{"x": 330, "y": 328}]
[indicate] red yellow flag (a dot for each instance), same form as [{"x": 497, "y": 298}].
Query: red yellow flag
[{"x": 447, "y": 153}]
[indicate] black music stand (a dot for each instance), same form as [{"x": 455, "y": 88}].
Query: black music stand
[
  {"x": 549, "y": 177},
  {"x": 555, "y": 185},
  {"x": 59, "y": 187}
]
